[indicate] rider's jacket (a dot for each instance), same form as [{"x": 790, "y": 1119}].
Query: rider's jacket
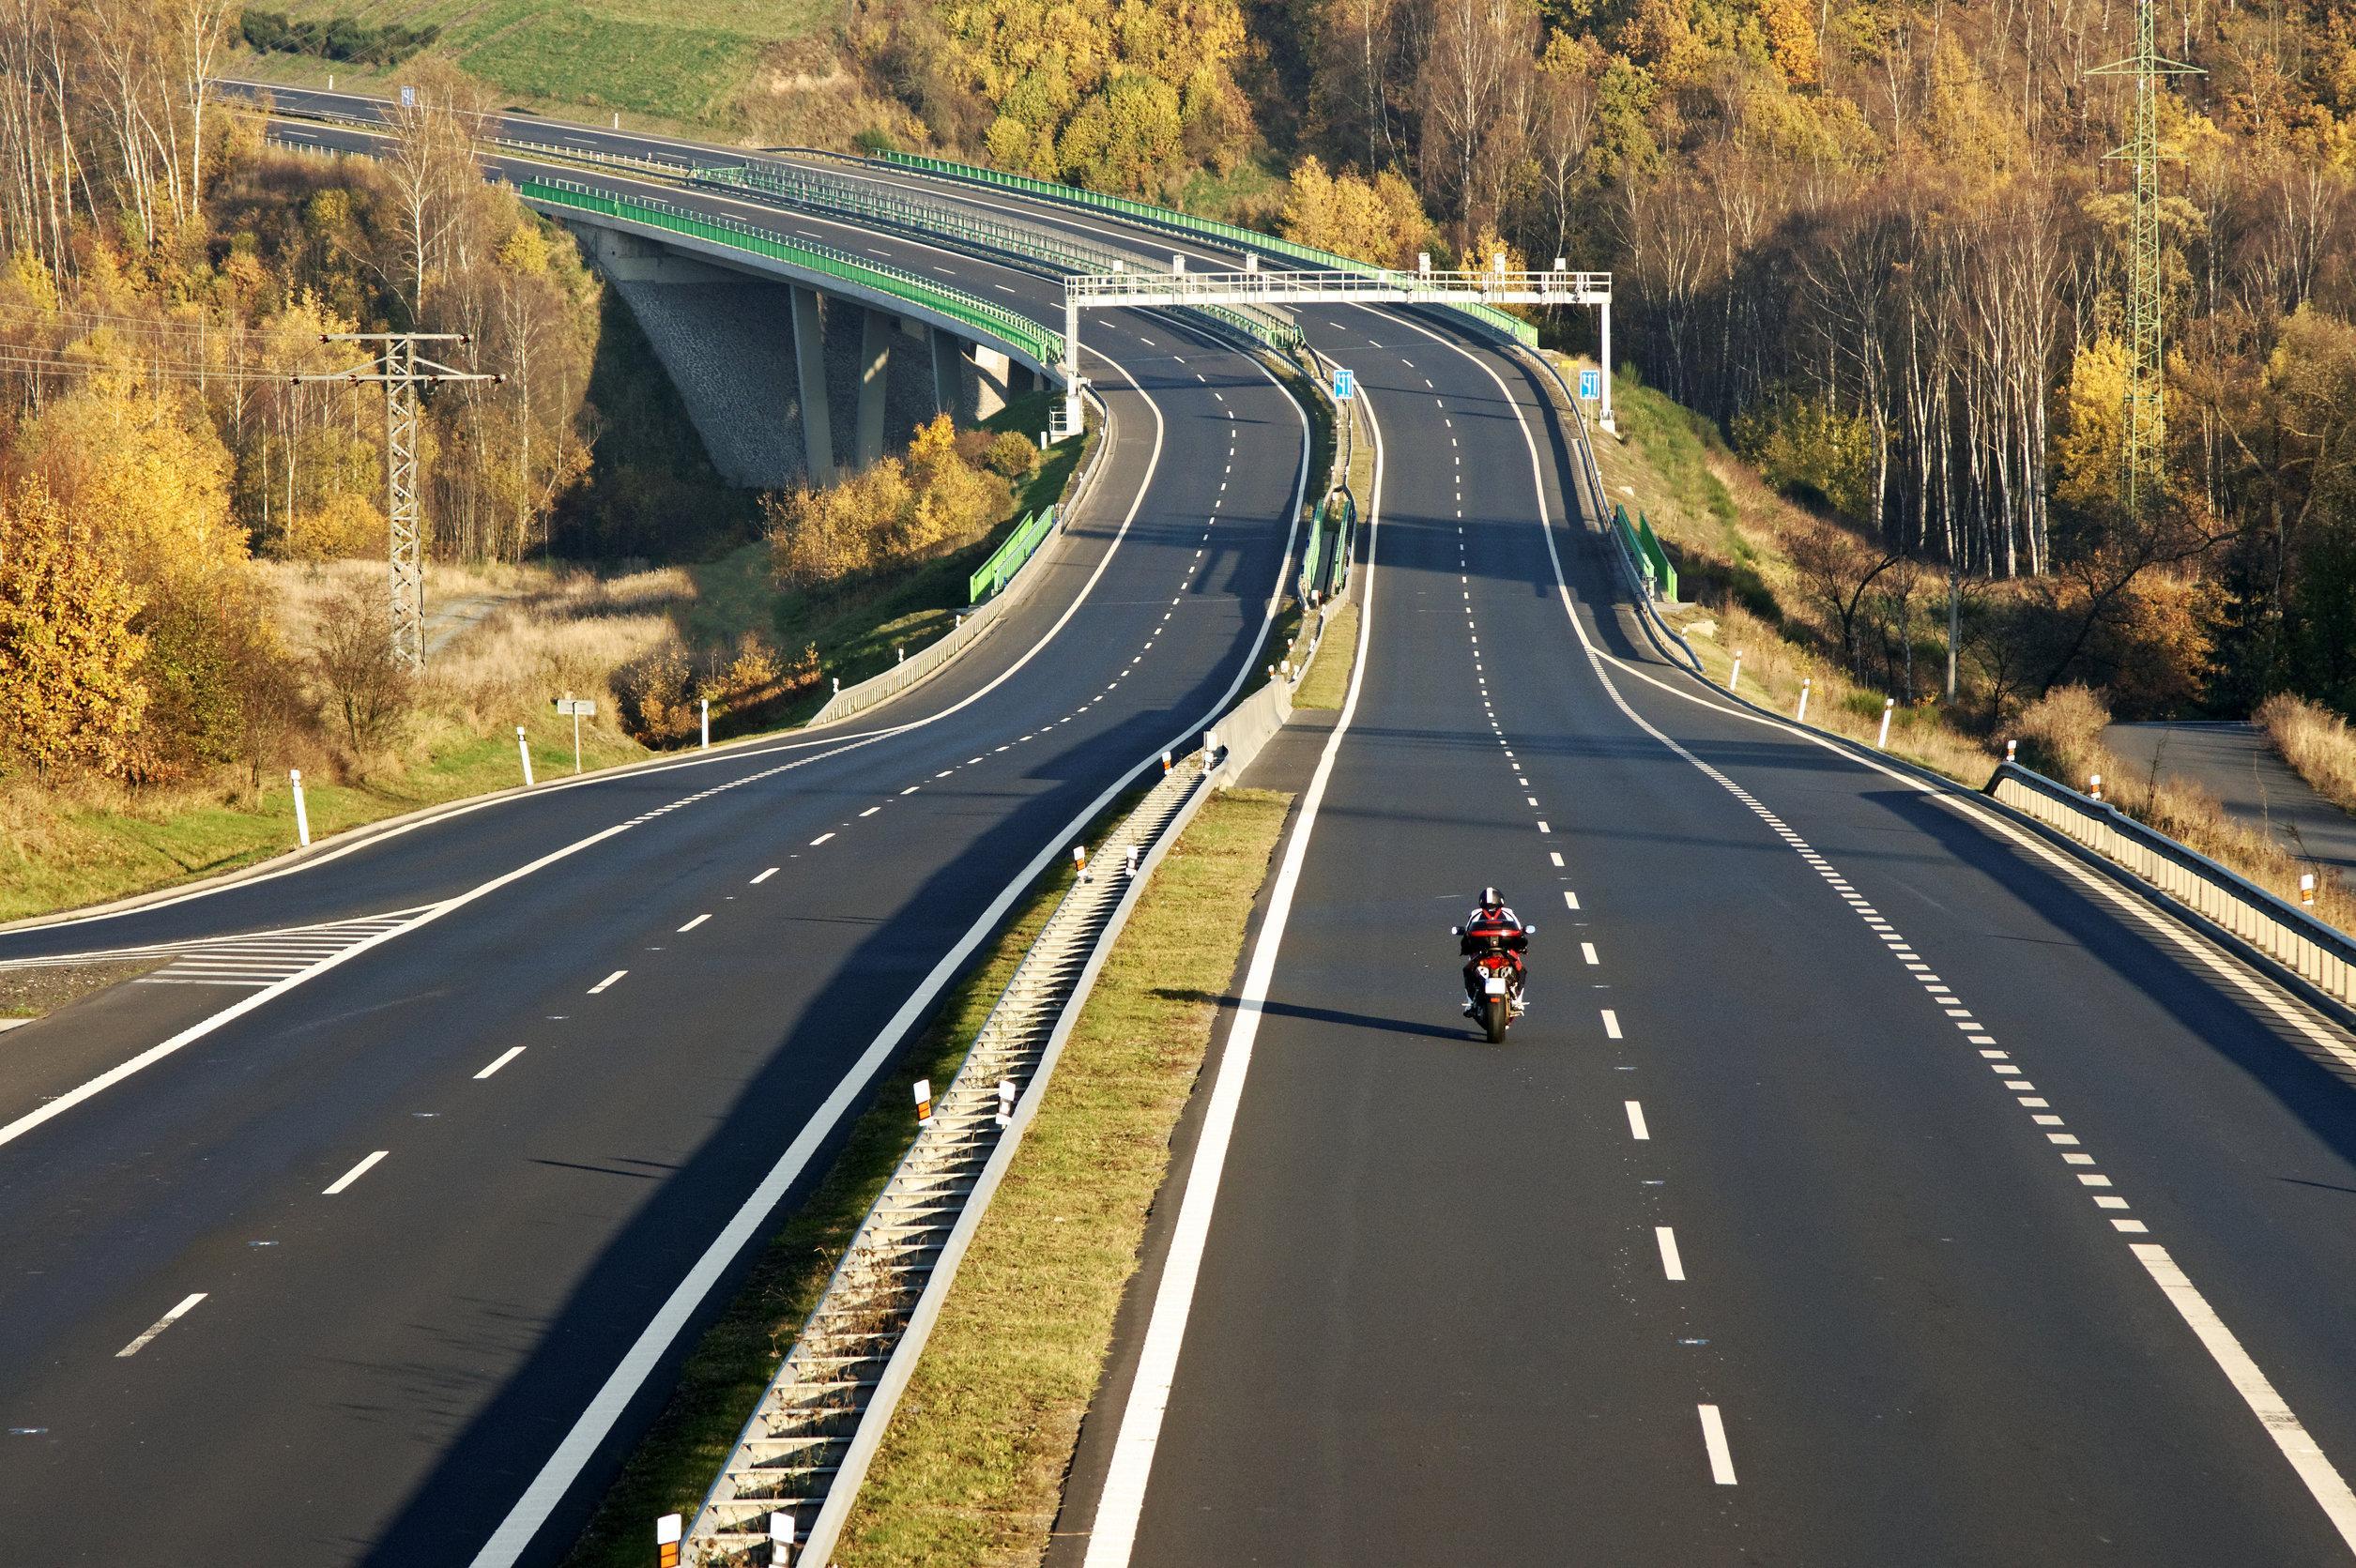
[{"x": 1485, "y": 929}]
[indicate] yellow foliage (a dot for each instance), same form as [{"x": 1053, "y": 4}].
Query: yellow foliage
[
  {"x": 899, "y": 510},
  {"x": 343, "y": 524},
  {"x": 69, "y": 686},
  {"x": 1108, "y": 93},
  {"x": 144, "y": 471},
  {"x": 527, "y": 249},
  {"x": 1378, "y": 220},
  {"x": 2089, "y": 450},
  {"x": 1788, "y": 30}
]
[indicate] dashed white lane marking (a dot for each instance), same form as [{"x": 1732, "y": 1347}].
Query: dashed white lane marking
[
  {"x": 872, "y": 810},
  {"x": 1557, "y": 856},
  {"x": 501, "y": 1060},
  {"x": 820, "y": 839},
  {"x": 1569, "y": 898},
  {"x": 1541, "y": 826},
  {"x": 692, "y": 924},
  {"x": 1672, "y": 1265},
  {"x": 354, "y": 1173},
  {"x": 1721, "y": 1458},
  {"x": 1612, "y": 1030},
  {"x": 764, "y": 877},
  {"x": 608, "y": 981},
  {"x": 1636, "y": 1128},
  {"x": 161, "y": 1324},
  {"x": 1586, "y": 951},
  {"x": 2323, "y": 1481}
]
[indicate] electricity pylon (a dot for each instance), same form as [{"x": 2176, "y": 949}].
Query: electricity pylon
[
  {"x": 398, "y": 369},
  {"x": 2143, "y": 430}
]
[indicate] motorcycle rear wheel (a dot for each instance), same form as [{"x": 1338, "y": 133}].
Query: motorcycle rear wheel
[{"x": 1496, "y": 1014}]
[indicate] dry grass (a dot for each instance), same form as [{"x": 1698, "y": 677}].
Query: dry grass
[
  {"x": 971, "y": 1469},
  {"x": 2317, "y": 743},
  {"x": 2061, "y": 737}
]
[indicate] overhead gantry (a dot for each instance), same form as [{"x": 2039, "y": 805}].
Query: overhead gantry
[{"x": 1472, "y": 292}]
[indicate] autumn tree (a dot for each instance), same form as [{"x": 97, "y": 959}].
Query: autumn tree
[
  {"x": 1376, "y": 220},
  {"x": 70, "y": 690}
]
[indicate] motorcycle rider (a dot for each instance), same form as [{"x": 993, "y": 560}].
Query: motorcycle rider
[{"x": 1491, "y": 927}]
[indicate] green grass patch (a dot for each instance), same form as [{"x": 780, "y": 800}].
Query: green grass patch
[
  {"x": 113, "y": 846},
  {"x": 678, "y": 60},
  {"x": 1328, "y": 680},
  {"x": 971, "y": 1467}
]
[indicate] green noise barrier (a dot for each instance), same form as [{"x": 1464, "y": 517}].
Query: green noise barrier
[{"x": 994, "y": 574}]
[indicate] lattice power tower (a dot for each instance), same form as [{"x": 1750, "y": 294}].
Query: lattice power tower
[{"x": 2143, "y": 431}]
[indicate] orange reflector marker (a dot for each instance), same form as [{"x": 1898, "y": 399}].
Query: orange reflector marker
[
  {"x": 923, "y": 1098},
  {"x": 667, "y": 1533}
]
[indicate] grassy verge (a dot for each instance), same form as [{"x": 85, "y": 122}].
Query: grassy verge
[
  {"x": 1328, "y": 679},
  {"x": 2317, "y": 744},
  {"x": 731, "y": 1365},
  {"x": 971, "y": 1467}
]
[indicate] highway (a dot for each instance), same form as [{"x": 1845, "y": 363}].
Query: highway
[
  {"x": 1864, "y": 1185},
  {"x": 366, "y": 1264},
  {"x": 1870, "y": 1183}
]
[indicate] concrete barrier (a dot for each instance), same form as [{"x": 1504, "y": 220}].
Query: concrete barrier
[{"x": 1230, "y": 745}]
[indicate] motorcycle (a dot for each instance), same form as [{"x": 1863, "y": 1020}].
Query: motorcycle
[{"x": 1500, "y": 986}]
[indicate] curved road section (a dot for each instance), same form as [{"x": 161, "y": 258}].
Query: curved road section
[
  {"x": 372, "y": 1238},
  {"x": 1869, "y": 1183}
]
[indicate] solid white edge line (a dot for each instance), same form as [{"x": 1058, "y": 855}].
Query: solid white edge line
[
  {"x": 1112, "y": 1536},
  {"x": 1721, "y": 1458},
  {"x": 2324, "y": 1482},
  {"x": 2322, "y": 1478},
  {"x": 161, "y": 1323},
  {"x": 354, "y": 1173},
  {"x": 501, "y": 1060},
  {"x": 555, "y": 1477}
]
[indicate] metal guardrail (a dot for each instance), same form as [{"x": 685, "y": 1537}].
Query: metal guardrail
[
  {"x": 1567, "y": 409},
  {"x": 1008, "y": 557},
  {"x": 2322, "y": 955},
  {"x": 979, "y": 622},
  {"x": 809, "y": 190},
  {"x": 806, "y": 1449},
  {"x": 1186, "y": 223},
  {"x": 1043, "y": 346},
  {"x": 1344, "y": 287}
]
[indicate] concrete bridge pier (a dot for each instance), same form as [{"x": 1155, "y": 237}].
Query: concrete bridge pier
[
  {"x": 876, "y": 332},
  {"x": 809, "y": 363}
]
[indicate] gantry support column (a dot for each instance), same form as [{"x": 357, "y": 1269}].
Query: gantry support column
[
  {"x": 877, "y": 329},
  {"x": 809, "y": 364}
]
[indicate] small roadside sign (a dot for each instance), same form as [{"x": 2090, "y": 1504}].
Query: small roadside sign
[
  {"x": 1591, "y": 385},
  {"x": 578, "y": 707},
  {"x": 1345, "y": 384},
  {"x": 409, "y": 98}
]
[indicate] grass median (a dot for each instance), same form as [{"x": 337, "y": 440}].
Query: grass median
[{"x": 971, "y": 1470}]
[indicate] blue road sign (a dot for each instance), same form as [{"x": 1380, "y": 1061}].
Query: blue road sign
[
  {"x": 1590, "y": 385},
  {"x": 1345, "y": 385}
]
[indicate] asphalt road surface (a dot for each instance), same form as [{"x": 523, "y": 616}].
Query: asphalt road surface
[
  {"x": 1864, "y": 1185},
  {"x": 1869, "y": 1184},
  {"x": 357, "y": 1266}
]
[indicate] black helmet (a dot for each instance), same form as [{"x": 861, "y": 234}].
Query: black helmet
[{"x": 1492, "y": 899}]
